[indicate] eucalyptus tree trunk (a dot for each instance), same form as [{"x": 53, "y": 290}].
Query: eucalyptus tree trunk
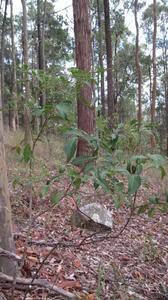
[
  {"x": 166, "y": 99},
  {"x": 82, "y": 31},
  {"x": 153, "y": 142},
  {"x": 13, "y": 117},
  {"x": 2, "y": 60},
  {"x": 116, "y": 72},
  {"x": 101, "y": 58},
  {"x": 41, "y": 56},
  {"x": 110, "y": 88},
  {"x": 138, "y": 66},
  {"x": 7, "y": 266},
  {"x": 28, "y": 135}
]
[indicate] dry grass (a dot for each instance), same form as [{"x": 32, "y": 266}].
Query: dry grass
[{"x": 49, "y": 149}]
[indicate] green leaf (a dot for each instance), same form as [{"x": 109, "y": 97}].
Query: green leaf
[
  {"x": 89, "y": 167},
  {"x": 82, "y": 160},
  {"x": 151, "y": 212},
  {"x": 62, "y": 169},
  {"x": 96, "y": 185},
  {"x": 44, "y": 190},
  {"x": 139, "y": 169},
  {"x": 77, "y": 183},
  {"x": 118, "y": 201},
  {"x": 163, "y": 172},
  {"x": 154, "y": 199},
  {"x": 167, "y": 194},
  {"x": 55, "y": 197},
  {"x": 157, "y": 159},
  {"x": 63, "y": 110},
  {"x": 164, "y": 208},
  {"x": 27, "y": 153},
  {"x": 104, "y": 184},
  {"x": 134, "y": 182},
  {"x": 142, "y": 209},
  {"x": 70, "y": 148},
  {"x": 18, "y": 150}
]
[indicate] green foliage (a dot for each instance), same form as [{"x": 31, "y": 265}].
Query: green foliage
[
  {"x": 27, "y": 153},
  {"x": 110, "y": 171},
  {"x": 70, "y": 148}
]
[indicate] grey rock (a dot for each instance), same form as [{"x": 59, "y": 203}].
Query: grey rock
[{"x": 93, "y": 216}]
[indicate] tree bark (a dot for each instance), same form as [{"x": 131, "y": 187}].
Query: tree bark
[
  {"x": 138, "y": 66},
  {"x": 2, "y": 59},
  {"x": 82, "y": 31},
  {"x": 153, "y": 142},
  {"x": 14, "y": 120},
  {"x": 110, "y": 88},
  {"x": 41, "y": 56},
  {"x": 101, "y": 58},
  {"x": 7, "y": 266},
  {"x": 166, "y": 99},
  {"x": 28, "y": 135}
]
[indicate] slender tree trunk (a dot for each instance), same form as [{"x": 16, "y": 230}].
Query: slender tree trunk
[
  {"x": 101, "y": 58},
  {"x": 138, "y": 66},
  {"x": 153, "y": 142},
  {"x": 116, "y": 72},
  {"x": 110, "y": 92},
  {"x": 35, "y": 120},
  {"x": 166, "y": 99},
  {"x": 14, "y": 120},
  {"x": 7, "y": 266},
  {"x": 28, "y": 135},
  {"x": 41, "y": 57},
  {"x": 150, "y": 86},
  {"x": 82, "y": 31},
  {"x": 2, "y": 60}
]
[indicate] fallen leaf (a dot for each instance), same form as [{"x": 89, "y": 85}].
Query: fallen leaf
[
  {"x": 69, "y": 284},
  {"x": 139, "y": 275}
]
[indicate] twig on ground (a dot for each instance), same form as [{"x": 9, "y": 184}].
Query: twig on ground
[
  {"x": 37, "y": 282},
  {"x": 10, "y": 255}
]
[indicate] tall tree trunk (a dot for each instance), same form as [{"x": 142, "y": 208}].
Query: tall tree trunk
[
  {"x": 28, "y": 135},
  {"x": 166, "y": 99},
  {"x": 138, "y": 66},
  {"x": 153, "y": 142},
  {"x": 35, "y": 120},
  {"x": 82, "y": 31},
  {"x": 14, "y": 121},
  {"x": 116, "y": 72},
  {"x": 41, "y": 57},
  {"x": 110, "y": 92},
  {"x": 7, "y": 266},
  {"x": 2, "y": 59},
  {"x": 101, "y": 58}
]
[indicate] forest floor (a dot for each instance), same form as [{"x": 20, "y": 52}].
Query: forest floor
[{"x": 131, "y": 266}]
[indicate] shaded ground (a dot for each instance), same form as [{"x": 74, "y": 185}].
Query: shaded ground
[{"x": 133, "y": 266}]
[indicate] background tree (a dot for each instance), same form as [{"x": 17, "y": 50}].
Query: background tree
[
  {"x": 82, "y": 31},
  {"x": 154, "y": 72},
  {"x": 13, "y": 108},
  {"x": 28, "y": 135},
  {"x": 41, "y": 55},
  {"x": 2, "y": 56},
  {"x": 110, "y": 87},
  {"x": 101, "y": 64},
  {"x": 138, "y": 68}
]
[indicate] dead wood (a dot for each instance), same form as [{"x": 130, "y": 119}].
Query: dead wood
[{"x": 20, "y": 282}]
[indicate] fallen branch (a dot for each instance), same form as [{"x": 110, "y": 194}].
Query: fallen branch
[
  {"x": 37, "y": 282},
  {"x": 10, "y": 255}
]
